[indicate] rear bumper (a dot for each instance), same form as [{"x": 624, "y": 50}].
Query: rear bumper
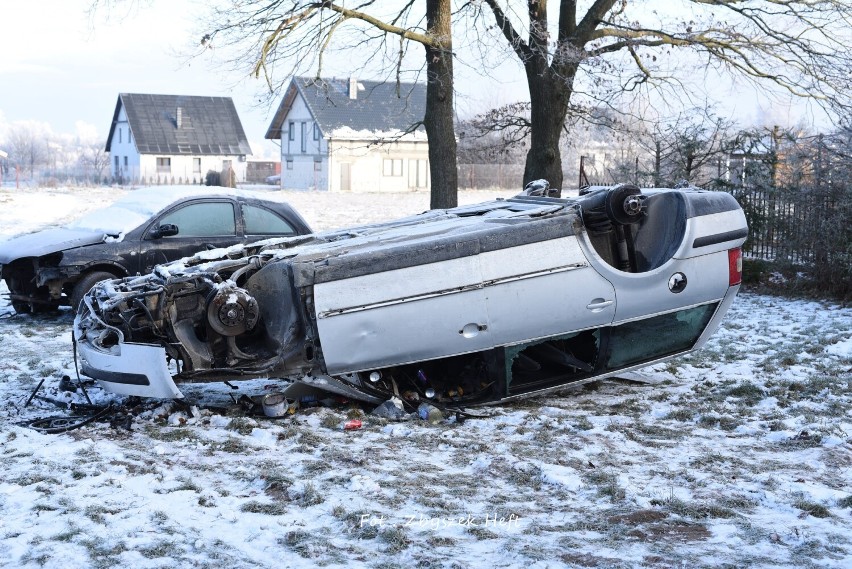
[{"x": 129, "y": 369}]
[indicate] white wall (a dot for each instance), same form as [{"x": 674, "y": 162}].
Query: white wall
[
  {"x": 182, "y": 168},
  {"x": 408, "y": 168},
  {"x": 123, "y": 146},
  {"x": 304, "y": 159},
  {"x": 308, "y": 163}
]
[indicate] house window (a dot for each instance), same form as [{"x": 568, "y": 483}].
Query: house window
[
  {"x": 116, "y": 164},
  {"x": 125, "y": 162},
  {"x": 316, "y": 131},
  {"x": 418, "y": 173},
  {"x": 392, "y": 167},
  {"x": 291, "y": 131},
  {"x": 119, "y": 134},
  {"x": 289, "y": 163},
  {"x": 196, "y": 165},
  {"x": 317, "y": 166},
  {"x": 304, "y": 137},
  {"x": 164, "y": 165},
  {"x": 129, "y": 136}
]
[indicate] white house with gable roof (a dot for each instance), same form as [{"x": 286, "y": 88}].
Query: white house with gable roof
[
  {"x": 166, "y": 139},
  {"x": 346, "y": 135}
]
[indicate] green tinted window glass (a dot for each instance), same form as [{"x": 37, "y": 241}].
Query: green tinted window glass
[{"x": 651, "y": 338}]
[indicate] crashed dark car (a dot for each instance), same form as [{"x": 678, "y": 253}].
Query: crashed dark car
[
  {"x": 471, "y": 305},
  {"x": 146, "y": 227}
]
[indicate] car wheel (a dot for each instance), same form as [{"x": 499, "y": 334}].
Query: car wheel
[
  {"x": 22, "y": 306},
  {"x": 85, "y": 284}
]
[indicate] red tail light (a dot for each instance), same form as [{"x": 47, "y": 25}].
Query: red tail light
[{"x": 735, "y": 266}]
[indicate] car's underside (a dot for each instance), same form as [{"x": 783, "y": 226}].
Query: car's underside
[{"x": 472, "y": 305}]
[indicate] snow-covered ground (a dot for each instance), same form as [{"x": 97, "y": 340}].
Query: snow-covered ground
[{"x": 739, "y": 455}]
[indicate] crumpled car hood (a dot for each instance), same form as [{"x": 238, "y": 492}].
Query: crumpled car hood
[{"x": 48, "y": 241}]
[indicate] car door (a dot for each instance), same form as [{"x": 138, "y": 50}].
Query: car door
[{"x": 202, "y": 225}]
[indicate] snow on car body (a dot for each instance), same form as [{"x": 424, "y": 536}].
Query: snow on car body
[{"x": 475, "y": 304}]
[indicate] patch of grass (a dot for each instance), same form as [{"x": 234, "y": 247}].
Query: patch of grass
[
  {"x": 440, "y": 541},
  {"x": 160, "y": 549},
  {"x": 267, "y": 508},
  {"x": 749, "y": 393},
  {"x": 331, "y": 421},
  {"x": 699, "y": 509},
  {"x": 530, "y": 476},
  {"x": 815, "y": 509},
  {"x": 803, "y": 440},
  {"x": 317, "y": 467},
  {"x": 33, "y": 478},
  {"x": 310, "y": 496},
  {"x": 659, "y": 431},
  {"x": 98, "y": 512},
  {"x": 684, "y": 414},
  {"x": 583, "y": 424},
  {"x": 302, "y": 543},
  {"x": 173, "y": 434},
  {"x": 187, "y": 484},
  {"x": 68, "y": 535},
  {"x": 607, "y": 484},
  {"x": 481, "y": 533},
  {"x": 396, "y": 539},
  {"x": 231, "y": 445},
  {"x": 728, "y": 423},
  {"x": 242, "y": 425},
  {"x": 277, "y": 484},
  {"x": 310, "y": 438},
  {"x": 845, "y": 502}
]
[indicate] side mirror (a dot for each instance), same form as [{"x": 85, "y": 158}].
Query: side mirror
[{"x": 165, "y": 230}]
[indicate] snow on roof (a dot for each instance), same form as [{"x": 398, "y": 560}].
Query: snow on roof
[{"x": 348, "y": 133}]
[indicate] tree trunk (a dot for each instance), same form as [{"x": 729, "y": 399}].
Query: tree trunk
[
  {"x": 549, "y": 98},
  {"x": 658, "y": 160},
  {"x": 439, "y": 117}
]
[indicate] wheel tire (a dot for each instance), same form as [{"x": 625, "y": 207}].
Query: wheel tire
[
  {"x": 21, "y": 307},
  {"x": 85, "y": 284},
  {"x": 16, "y": 285}
]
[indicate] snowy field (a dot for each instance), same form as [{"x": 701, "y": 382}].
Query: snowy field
[{"x": 737, "y": 456}]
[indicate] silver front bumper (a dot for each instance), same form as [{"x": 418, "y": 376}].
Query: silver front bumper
[{"x": 129, "y": 369}]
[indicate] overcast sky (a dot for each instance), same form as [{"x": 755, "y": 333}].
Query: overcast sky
[{"x": 60, "y": 67}]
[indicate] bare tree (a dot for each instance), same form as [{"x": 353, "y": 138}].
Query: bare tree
[
  {"x": 295, "y": 34},
  {"x": 697, "y": 139},
  {"x": 27, "y": 146},
  {"x": 94, "y": 159},
  {"x": 618, "y": 46}
]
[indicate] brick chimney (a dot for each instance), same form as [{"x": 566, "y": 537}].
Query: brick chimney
[
  {"x": 353, "y": 88},
  {"x": 179, "y": 117}
]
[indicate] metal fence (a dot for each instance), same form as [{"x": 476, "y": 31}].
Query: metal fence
[
  {"x": 491, "y": 176},
  {"x": 805, "y": 230}
]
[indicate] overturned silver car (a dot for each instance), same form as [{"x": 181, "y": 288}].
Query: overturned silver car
[{"x": 472, "y": 305}]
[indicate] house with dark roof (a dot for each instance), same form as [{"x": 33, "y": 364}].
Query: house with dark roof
[
  {"x": 352, "y": 135},
  {"x": 175, "y": 139}
]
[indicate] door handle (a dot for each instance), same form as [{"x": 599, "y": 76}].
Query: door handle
[{"x": 599, "y": 304}]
